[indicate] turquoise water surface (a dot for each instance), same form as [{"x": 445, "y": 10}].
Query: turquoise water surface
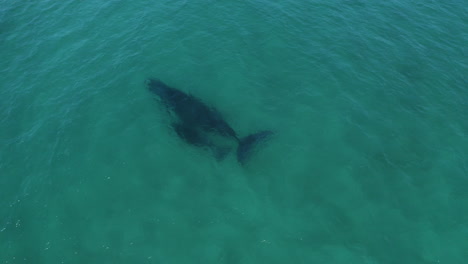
[{"x": 368, "y": 101}]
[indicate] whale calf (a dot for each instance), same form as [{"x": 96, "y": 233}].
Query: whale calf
[{"x": 203, "y": 126}]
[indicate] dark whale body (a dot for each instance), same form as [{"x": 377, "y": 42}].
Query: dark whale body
[{"x": 200, "y": 125}]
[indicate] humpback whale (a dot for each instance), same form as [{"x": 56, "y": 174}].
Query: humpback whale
[{"x": 203, "y": 126}]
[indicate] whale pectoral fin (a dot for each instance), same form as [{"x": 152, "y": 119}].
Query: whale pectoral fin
[
  {"x": 184, "y": 132},
  {"x": 247, "y": 144},
  {"x": 188, "y": 134},
  {"x": 220, "y": 153}
]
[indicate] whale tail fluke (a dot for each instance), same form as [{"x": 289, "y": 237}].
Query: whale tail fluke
[{"x": 248, "y": 144}]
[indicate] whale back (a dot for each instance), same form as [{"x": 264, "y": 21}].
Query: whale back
[{"x": 190, "y": 110}]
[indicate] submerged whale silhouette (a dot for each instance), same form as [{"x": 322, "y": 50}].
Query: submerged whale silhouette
[{"x": 201, "y": 125}]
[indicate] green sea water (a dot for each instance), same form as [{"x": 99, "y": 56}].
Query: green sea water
[{"x": 368, "y": 101}]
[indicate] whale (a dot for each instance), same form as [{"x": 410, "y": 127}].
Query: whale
[{"x": 201, "y": 125}]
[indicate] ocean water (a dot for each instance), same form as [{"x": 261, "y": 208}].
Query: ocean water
[{"x": 368, "y": 101}]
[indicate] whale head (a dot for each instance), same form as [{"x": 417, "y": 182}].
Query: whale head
[{"x": 158, "y": 87}]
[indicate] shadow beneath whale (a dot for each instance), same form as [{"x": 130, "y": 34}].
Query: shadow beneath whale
[{"x": 203, "y": 126}]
